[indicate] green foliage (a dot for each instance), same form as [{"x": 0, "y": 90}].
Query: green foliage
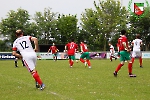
[
  {"x": 103, "y": 23},
  {"x": 16, "y": 20},
  {"x": 5, "y": 45},
  {"x": 91, "y": 28},
  {"x": 46, "y": 26},
  {"x": 67, "y": 28},
  {"x": 141, "y": 26},
  {"x": 97, "y": 27},
  {"x": 77, "y": 83}
]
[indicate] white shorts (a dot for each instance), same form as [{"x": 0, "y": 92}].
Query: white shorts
[
  {"x": 136, "y": 54},
  {"x": 30, "y": 61},
  {"x": 112, "y": 54}
]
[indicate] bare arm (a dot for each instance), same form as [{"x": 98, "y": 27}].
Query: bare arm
[
  {"x": 132, "y": 44},
  {"x": 14, "y": 53},
  {"x": 141, "y": 43},
  {"x": 35, "y": 40},
  {"x": 65, "y": 48},
  {"x": 48, "y": 50},
  {"x": 125, "y": 46},
  {"x": 81, "y": 49}
]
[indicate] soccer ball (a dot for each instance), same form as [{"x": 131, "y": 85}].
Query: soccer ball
[{"x": 77, "y": 61}]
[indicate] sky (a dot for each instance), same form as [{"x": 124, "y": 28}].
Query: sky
[{"x": 61, "y": 6}]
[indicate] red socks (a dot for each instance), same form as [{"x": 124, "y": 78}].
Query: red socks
[
  {"x": 88, "y": 62},
  {"x": 119, "y": 67},
  {"x": 70, "y": 62},
  {"x": 130, "y": 68},
  {"x": 110, "y": 58},
  {"x": 82, "y": 60},
  {"x": 132, "y": 60},
  {"x": 140, "y": 60},
  {"x": 36, "y": 77}
]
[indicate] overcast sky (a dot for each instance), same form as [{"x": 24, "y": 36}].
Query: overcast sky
[{"x": 61, "y": 6}]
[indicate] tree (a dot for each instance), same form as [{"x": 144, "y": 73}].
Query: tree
[
  {"x": 46, "y": 26},
  {"x": 91, "y": 29},
  {"x": 104, "y": 22},
  {"x": 67, "y": 28},
  {"x": 16, "y": 20},
  {"x": 141, "y": 26}
]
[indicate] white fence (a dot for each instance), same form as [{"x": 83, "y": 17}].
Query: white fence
[{"x": 62, "y": 55}]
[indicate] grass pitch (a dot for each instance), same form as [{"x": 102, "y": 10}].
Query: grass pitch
[{"x": 77, "y": 83}]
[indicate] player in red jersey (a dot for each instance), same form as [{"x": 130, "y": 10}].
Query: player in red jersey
[
  {"x": 85, "y": 54},
  {"x": 124, "y": 51},
  {"x": 71, "y": 48},
  {"x": 54, "y": 51}
]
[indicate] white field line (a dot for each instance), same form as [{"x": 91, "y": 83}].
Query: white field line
[{"x": 22, "y": 82}]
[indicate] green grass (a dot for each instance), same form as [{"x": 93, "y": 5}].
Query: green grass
[{"x": 77, "y": 83}]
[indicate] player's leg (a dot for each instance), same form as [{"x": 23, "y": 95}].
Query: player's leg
[
  {"x": 56, "y": 56},
  {"x": 16, "y": 62},
  {"x": 23, "y": 63},
  {"x": 140, "y": 58},
  {"x": 128, "y": 58},
  {"x": 110, "y": 58},
  {"x": 71, "y": 61},
  {"x": 30, "y": 63},
  {"x": 122, "y": 60},
  {"x": 83, "y": 55},
  {"x": 88, "y": 59},
  {"x": 82, "y": 58},
  {"x": 133, "y": 56}
]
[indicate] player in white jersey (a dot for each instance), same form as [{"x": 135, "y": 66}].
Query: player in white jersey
[
  {"x": 24, "y": 46},
  {"x": 136, "y": 43},
  {"x": 112, "y": 52}
]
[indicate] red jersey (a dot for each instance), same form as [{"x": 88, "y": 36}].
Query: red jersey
[
  {"x": 120, "y": 42},
  {"x": 71, "y": 47},
  {"x": 84, "y": 47},
  {"x": 53, "y": 49}
]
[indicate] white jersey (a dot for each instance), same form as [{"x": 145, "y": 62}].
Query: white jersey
[
  {"x": 137, "y": 44},
  {"x": 112, "y": 50},
  {"x": 24, "y": 46}
]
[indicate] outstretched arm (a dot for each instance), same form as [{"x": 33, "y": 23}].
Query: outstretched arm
[
  {"x": 125, "y": 46},
  {"x": 48, "y": 50}
]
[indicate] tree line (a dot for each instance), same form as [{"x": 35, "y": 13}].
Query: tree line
[{"x": 96, "y": 27}]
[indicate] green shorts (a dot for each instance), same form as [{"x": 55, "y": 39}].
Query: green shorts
[
  {"x": 124, "y": 56},
  {"x": 72, "y": 57},
  {"x": 85, "y": 55},
  {"x": 54, "y": 54}
]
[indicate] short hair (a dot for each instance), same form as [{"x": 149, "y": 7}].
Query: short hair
[
  {"x": 138, "y": 36},
  {"x": 123, "y": 32},
  {"x": 72, "y": 40},
  {"x": 109, "y": 43},
  {"x": 19, "y": 32}
]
